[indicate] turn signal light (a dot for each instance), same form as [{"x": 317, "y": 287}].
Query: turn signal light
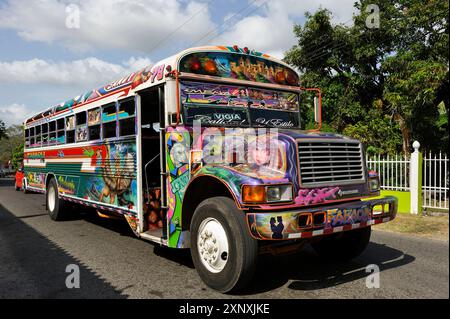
[{"x": 253, "y": 194}]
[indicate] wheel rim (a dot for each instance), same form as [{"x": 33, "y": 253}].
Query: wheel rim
[
  {"x": 212, "y": 245},
  {"x": 51, "y": 195}
]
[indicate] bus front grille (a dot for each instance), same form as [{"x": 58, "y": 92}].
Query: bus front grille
[{"x": 330, "y": 162}]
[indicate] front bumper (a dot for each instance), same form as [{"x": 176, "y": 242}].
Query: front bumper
[{"x": 318, "y": 221}]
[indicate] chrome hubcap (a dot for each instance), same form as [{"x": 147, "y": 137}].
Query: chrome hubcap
[
  {"x": 51, "y": 198},
  {"x": 212, "y": 244}
]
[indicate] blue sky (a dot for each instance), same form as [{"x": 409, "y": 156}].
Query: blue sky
[{"x": 43, "y": 61}]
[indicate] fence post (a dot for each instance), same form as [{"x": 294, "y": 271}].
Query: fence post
[{"x": 415, "y": 179}]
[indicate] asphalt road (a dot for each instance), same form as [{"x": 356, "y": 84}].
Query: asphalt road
[{"x": 35, "y": 251}]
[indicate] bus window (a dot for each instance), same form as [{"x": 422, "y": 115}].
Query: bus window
[
  {"x": 60, "y": 124},
  {"x": 109, "y": 113},
  {"x": 109, "y": 130},
  {"x": 31, "y": 137},
  {"x": 37, "y": 136},
  {"x": 52, "y": 133},
  {"x": 70, "y": 129},
  {"x": 60, "y": 136},
  {"x": 94, "y": 124},
  {"x": 109, "y": 116},
  {"x": 44, "y": 129},
  {"x": 27, "y": 138},
  {"x": 81, "y": 128},
  {"x": 127, "y": 118}
]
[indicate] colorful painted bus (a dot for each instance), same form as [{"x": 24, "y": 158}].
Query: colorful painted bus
[{"x": 204, "y": 150}]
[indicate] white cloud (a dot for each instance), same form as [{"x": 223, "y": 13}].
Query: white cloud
[
  {"x": 14, "y": 113},
  {"x": 124, "y": 24},
  {"x": 272, "y": 31},
  {"x": 49, "y": 82},
  {"x": 83, "y": 73}
]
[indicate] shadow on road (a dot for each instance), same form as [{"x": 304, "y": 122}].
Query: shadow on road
[
  {"x": 32, "y": 266},
  {"x": 308, "y": 272},
  {"x": 43, "y": 263}
]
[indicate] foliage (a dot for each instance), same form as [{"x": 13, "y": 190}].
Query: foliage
[
  {"x": 2, "y": 130},
  {"x": 385, "y": 86},
  {"x": 17, "y": 157},
  {"x": 11, "y": 147}
]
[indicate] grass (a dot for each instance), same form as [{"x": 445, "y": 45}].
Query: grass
[{"x": 434, "y": 227}]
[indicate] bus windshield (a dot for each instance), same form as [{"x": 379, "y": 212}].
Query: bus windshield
[{"x": 238, "y": 106}]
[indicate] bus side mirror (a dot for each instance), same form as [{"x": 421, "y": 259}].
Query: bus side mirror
[{"x": 318, "y": 109}]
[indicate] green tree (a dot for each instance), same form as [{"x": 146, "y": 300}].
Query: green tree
[
  {"x": 2, "y": 130},
  {"x": 10, "y": 144},
  {"x": 17, "y": 156},
  {"x": 382, "y": 85}
]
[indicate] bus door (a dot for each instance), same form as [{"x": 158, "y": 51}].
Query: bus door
[{"x": 152, "y": 163}]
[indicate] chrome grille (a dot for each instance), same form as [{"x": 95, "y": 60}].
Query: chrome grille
[{"x": 330, "y": 162}]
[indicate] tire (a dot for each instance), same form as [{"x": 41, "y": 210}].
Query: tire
[
  {"x": 24, "y": 187},
  {"x": 56, "y": 207},
  {"x": 232, "y": 255},
  {"x": 343, "y": 247}
]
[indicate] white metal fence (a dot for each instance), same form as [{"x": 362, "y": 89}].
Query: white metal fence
[
  {"x": 435, "y": 182},
  {"x": 393, "y": 171},
  {"x": 394, "y": 174}
]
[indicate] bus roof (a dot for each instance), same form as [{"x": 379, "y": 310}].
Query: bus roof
[{"x": 146, "y": 77}]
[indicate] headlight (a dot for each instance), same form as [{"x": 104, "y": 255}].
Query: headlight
[
  {"x": 279, "y": 193},
  {"x": 266, "y": 194},
  {"x": 374, "y": 184}
]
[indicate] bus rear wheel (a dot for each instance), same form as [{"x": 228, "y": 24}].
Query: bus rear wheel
[
  {"x": 223, "y": 251},
  {"x": 24, "y": 187},
  {"x": 55, "y": 205}
]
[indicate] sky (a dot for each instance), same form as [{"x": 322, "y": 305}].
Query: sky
[{"x": 53, "y": 50}]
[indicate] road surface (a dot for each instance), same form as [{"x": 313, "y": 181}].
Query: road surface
[{"x": 35, "y": 251}]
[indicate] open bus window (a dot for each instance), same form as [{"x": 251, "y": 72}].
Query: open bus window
[
  {"x": 81, "y": 131},
  {"x": 44, "y": 130},
  {"x": 60, "y": 124},
  {"x": 70, "y": 129},
  {"x": 31, "y": 137},
  {"x": 127, "y": 118},
  {"x": 109, "y": 113},
  {"x": 27, "y": 138},
  {"x": 52, "y": 133},
  {"x": 37, "y": 136},
  {"x": 126, "y": 108},
  {"x": 94, "y": 132},
  {"x": 70, "y": 123},
  {"x": 70, "y": 136},
  {"x": 109, "y": 117},
  {"x": 109, "y": 129},
  {"x": 94, "y": 116},
  {"x": 60, "y": 137},
  {"x": 52, "y": 126},
  {"x": 127, "y": 127}
]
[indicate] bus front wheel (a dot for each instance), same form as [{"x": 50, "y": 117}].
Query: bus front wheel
[
  {"x": 55, "y": 205},
  {"x": 223, "y": 251}
]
